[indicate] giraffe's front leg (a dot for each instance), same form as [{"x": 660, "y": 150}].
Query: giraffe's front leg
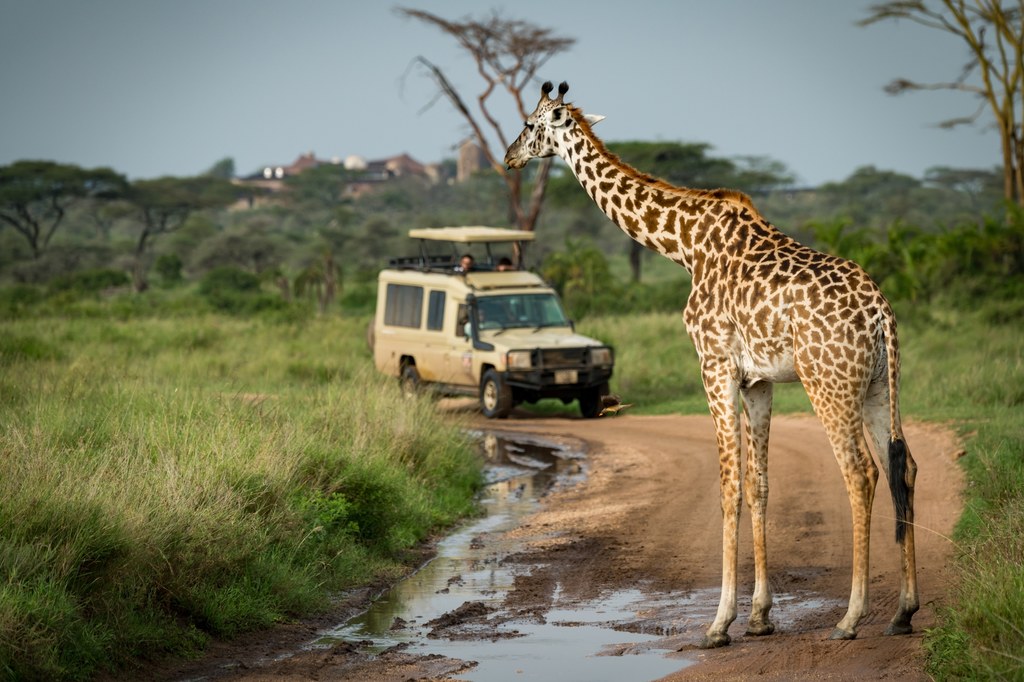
[
  {"x": 757, "y": 404},
  {"x": 722, "y": 390}
]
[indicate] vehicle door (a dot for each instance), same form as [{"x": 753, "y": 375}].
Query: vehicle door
[
  {"x": 436, "y": 342},
  {"x": 459, "y": 348}
]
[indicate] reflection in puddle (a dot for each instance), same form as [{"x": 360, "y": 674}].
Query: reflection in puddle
[
  {"x": 468, "y": 570},
  {"x": 453, "y": 605}
]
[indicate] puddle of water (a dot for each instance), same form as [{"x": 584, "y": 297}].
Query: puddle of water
[
  {"x": 518, "y": 472},
  {"x": 621, "y": 636},
  {"x": 577, "y": 643},
  {"x": 575, "y": 647}
]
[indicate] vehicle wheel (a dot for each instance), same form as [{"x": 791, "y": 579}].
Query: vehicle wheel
[
  {"x": 495, "y": 396},
  {"x": 590, "y": 403},
  {"x": 410, "y": 380}
]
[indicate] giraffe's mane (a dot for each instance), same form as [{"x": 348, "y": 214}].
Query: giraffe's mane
[{"x": 727, "y": 195}]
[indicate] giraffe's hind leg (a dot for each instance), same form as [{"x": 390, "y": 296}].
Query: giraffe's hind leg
[
  {"x": 897, "y": 462},
  {"x": 839, "y": 406},
  {"x": 757, "y": 404}
]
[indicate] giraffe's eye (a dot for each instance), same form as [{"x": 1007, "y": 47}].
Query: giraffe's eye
[{"x": 529, "y": 126}]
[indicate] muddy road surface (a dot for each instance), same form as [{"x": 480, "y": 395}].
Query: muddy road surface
[{"x": 633, "y": 554}]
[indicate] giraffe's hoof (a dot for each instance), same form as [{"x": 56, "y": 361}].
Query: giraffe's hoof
[
  {"x": 899, "y": 629},
  {"x": 714, "y": 640},
  {"x": 840, "y": 633},
  {"x": 760, "y": 629}
]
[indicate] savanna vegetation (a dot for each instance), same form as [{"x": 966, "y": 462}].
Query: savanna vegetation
[
  {"x": 172, "y": 473},
  {"x": 193, "y": 444}
]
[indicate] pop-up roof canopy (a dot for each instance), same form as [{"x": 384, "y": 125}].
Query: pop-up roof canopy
[{"x": 473, "y": 234}]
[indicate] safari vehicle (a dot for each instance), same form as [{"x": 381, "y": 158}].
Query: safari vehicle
[{"x": 495, "y": 333}]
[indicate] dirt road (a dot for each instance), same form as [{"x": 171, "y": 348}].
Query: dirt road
[{"x": 648, "y": 517}]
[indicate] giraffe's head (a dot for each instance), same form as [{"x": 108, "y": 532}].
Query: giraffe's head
[{"x": 539, "y": 137}]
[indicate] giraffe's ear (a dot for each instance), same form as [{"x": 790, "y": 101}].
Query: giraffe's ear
[{"x": 593, "y": 118}]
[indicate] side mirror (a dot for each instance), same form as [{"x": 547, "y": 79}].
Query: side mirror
[{"x": 474, "y": 331}]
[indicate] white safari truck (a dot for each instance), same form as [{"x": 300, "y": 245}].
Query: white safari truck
[{"x": 490, "y": 331}]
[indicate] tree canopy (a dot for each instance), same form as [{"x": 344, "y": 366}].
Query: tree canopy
[
  {"x": 164, "y": 204},
  {"x": 36, "y": 195}
]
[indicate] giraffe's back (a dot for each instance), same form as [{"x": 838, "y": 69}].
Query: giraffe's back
[{"x": 784, "y": 311}]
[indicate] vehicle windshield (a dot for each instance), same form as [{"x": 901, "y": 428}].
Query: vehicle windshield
[{"x": 509, "y": 311}]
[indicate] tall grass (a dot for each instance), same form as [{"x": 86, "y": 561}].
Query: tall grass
[
  {"x": 968, "y": 366},
  {"x": 164, "y": 481}
]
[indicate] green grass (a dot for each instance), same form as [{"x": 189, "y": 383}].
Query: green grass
[
  {"x": 967, "y": 367},
  {"x": 169, "y": 474},
  {"x": 164, "y": 481}
]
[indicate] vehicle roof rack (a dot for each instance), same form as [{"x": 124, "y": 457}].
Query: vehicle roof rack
[{"x": 472, "y": 234}]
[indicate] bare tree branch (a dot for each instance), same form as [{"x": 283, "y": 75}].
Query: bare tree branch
[
  {"x": 993, "y": 31},
  {"x": 507, "y": 53}
]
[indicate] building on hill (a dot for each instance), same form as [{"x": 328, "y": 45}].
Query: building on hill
[
  {"x": 471, "y": 160},
  {"x": 365, "y": 175}
]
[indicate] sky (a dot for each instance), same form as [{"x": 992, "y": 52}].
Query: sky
[{"x": 170, "y": 87}]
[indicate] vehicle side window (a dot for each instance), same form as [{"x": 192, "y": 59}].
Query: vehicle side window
[
  {"x": 404, "y": 306},
  {"x": 435, "y": 311}
]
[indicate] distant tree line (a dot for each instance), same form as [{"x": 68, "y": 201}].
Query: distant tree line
[{"x": 310, "y": 239}]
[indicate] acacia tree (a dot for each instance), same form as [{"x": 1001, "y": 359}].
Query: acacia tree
[
  {"x": 508, "y": 53},
  {"x": 994, "y": 33},
  {"x": 36, "y": 195},
  {"x": 164, "y": 204}
]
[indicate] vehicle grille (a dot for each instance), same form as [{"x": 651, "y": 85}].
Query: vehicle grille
[{"x": 563, "y": 357}]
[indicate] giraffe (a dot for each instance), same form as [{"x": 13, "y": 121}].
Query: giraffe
[{"x": 763, "y": 309}]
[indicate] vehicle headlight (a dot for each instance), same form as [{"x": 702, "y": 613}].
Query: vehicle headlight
[
  {"x": 519, "y": 359},
  {"x": 600, "y": 356}
]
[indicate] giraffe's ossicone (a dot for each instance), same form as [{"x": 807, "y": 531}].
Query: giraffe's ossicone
[{"x": 763, "y": 309}]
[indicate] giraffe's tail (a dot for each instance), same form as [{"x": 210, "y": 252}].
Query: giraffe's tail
[{"x": 898, "y": 486}]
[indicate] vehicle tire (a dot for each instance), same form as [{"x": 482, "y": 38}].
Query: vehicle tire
[
  {"x": 590, "y": 403},
  {"x": 495, "y": 396},
  {"x": 410, "y": 380}
]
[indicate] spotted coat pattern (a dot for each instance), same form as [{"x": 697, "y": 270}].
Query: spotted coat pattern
[{"x": 763, "y": 309}]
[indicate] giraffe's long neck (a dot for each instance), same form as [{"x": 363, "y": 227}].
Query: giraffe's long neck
[{"x": 672, "y": 221}]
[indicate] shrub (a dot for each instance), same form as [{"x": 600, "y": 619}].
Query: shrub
[
  {"x": 229, "y": 279},
  {"x": 168, "y": 267},
  {"x": 16, "y": 300},
  {"x": 89, "y": 281},
  {"x": 233, "y": 290}
]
